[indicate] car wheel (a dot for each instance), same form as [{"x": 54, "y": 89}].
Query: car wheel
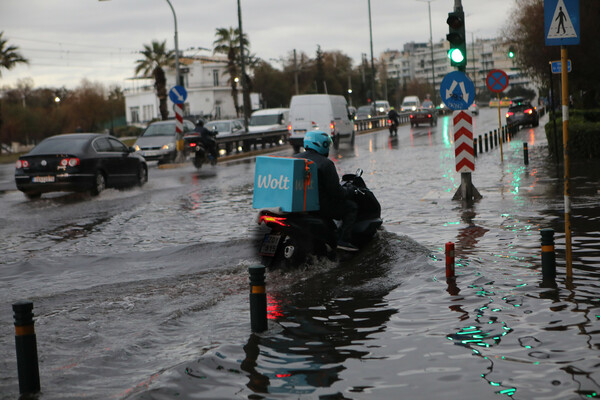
[
  {"x": 99, "y": 183},
  {"x": 33, "y": 195},
  {"x": 142, "y": 175}
]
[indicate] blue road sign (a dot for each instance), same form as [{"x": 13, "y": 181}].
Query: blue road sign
[
  {"x": 556, "y": 69},
  {"x": 178, "y": 94},
  {"x": 561, "y": 22},
  {"x": 497, "y": 80},
  {"x": 457, "y": 91}
]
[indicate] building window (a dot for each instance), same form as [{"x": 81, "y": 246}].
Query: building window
[
  {"x": 215, "y": 77},
  {"x": 135, "y": 114},
  {"x": 148, "y": 112}
]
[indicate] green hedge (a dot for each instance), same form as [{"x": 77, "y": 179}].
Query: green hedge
[{"x": 584, "y": 135}]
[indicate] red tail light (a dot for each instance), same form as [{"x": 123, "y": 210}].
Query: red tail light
[
  {"x": 22, "y": 164},
  {"x": 509, "y": 114},
  {"x": 389, "y": 121},
  {"x": 332, "y": 127},
  {"x": 528, "y": 111},
  {"x": 428, "y": 115},
  {"x": 411, "y": 116},
  {"x": 272, "y": 219},
  {"x": 290, "y": 128},
  {"x": 71, "y": 162},
  {"x": 192, "y": 144}
]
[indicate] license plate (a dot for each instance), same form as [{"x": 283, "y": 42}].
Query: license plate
[
  {"x": 299, "y": 130},
  {"x": 269, "y": 244},
  {"x": 150, "y": 153},
  {"x": 42, "y": 179}
]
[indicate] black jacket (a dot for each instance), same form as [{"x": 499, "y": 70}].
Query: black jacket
[{"x": 331, "y": 193}]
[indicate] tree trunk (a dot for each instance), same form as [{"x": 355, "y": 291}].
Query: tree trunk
[{"x": 160, "y": 83}]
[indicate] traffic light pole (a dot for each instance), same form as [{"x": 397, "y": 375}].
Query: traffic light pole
[{"x": 466, "y": 191}]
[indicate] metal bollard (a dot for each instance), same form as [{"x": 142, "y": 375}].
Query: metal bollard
[
  {"x": 496, "y": 137},
  {"x": 480, "y": 144},
  {"x": 258, "y": 299},
  {"x": 486, "y": 143},
  {"x": 525, "y": 153},
  {"x": 25, "y": 343},
  {"x": 449, "y": 260},
  {"x": 491, "y": 140},
  {"x": 548, "y": 256},
  {"x": 474, "y": 147}
]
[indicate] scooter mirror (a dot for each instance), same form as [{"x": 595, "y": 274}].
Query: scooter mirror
[{"x": 359, "y": 172}]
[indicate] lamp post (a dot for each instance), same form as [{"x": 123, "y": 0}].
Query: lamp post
[
  {"x": 245, "y": 96},
  {"x": 372, "y": 64},
  {"x": 431, "y": 47},
  {"x": 177, "y": 70}
]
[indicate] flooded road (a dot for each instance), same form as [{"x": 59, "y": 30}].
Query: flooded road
[{"x": 143, "y": 294}]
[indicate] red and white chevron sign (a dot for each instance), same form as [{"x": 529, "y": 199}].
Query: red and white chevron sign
[{"x": 463, "y": 141}]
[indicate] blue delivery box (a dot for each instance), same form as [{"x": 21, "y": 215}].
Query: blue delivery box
[{"x": 288, "y": 183}]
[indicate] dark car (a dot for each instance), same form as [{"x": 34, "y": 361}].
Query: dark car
[
  {"x": 159, "y": 141},
  {"x": 79, "y": 162},
  {"x": 423, "y": 116},
  {"x": 364, "y": 112},
  {"x": 521, "y": 113}
]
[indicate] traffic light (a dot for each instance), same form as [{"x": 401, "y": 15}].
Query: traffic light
[
  {"x": 456, "y": 36},
  {"x": 511, "y": 52}
]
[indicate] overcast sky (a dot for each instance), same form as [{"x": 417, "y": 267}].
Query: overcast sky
[{"x": 66, "y": 41}]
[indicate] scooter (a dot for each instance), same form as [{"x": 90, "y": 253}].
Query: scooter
[
  {"x": 193, "y": 146},
  {"x": 393, "y": 127},
  {"x": 288, "y": 239}
]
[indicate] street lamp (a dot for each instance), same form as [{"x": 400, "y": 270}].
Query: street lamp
[
  {"x": 373, "y": 96},
  {"x": 431, "y": 46}
]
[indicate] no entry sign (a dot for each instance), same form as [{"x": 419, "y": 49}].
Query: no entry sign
[{"x": 497, "y": 80}]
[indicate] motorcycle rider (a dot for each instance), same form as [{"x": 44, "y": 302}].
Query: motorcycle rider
[
  {"x": 394, "y": 118},
  {"x": 334, "y": 201},
  {"x": 208, "y": 140}
]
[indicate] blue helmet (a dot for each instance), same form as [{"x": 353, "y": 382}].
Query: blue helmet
[{"x": 319, "y": 141}]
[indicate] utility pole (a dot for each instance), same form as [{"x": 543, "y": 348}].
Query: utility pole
[
  {"x": 373, "y": 95},
  {"x": 245, "y": 95}
]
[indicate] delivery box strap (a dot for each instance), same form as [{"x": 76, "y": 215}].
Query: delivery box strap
[{"x": 306, "y": 179}]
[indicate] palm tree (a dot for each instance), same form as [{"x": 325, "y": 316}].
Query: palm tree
[
  {"x": 9, "y": 55},
  {"x": 156, "y": 57},
  {"x": 228, "y": 43}
]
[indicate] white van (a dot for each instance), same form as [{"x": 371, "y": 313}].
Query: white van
[
  {"x": 269, "y": 119},
  {"x": 325, "y": 112},
  {"x": 382, "y": 107},
  {"x": 410, "y": 103}
]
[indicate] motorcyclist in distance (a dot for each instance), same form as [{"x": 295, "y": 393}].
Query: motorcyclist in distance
[
  {"x": 394, "y": 116},
  {"x": 208, "y": 140},
  {"x": 334, "y": 201}
]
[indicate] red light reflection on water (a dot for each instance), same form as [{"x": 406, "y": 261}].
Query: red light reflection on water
[{"x": 274, "y": 309}]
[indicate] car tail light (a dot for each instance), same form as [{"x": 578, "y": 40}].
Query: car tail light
[
  {"x": 192, "y": 144},
  {"x": 332, "y": 127},
  {"x": 411, "y": 116},
  {"x": 509, "y": 114},
  {"x": 389, "y": 121},
  {"x": 267, "y": 219},
  {"x": 428, "y": 115},
  {"x": 528, "y": 111},
  {"x": 22, "y": 164},
  {"x": 71, "y": 162},
  {"x": 290, "y": 128}
]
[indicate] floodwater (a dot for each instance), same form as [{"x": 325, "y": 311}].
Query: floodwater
[{"x": 143, "y": 294}]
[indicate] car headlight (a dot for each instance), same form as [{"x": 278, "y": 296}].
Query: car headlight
[
  {"x": 168, "y": 146},
  {"x": 136, "y": 147}
]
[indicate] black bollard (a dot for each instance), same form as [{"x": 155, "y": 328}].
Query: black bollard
[
  {"x": 525, "y": 153},
  {"x": 480, "y": 145},
  {"x": 491, "y": 140},
  {"x": 496, "y": 137},
  {"x": 486, "y": 143},
  {"x": 258, "y": 299},
  {"x": 25, "y": 343},
  {"x": 474, "y": 147},
  {"x": 548, "y": 256}
]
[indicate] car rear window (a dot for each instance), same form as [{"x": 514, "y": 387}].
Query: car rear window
[
  {"x": 259, "y": 120},
  {"x": 62, "y": 145}
]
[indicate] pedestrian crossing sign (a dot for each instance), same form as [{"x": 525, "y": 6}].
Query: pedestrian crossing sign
[{"x": 561, "y": 21}]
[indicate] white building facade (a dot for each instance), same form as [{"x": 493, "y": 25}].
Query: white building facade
[{"x": 208, "y": 92}]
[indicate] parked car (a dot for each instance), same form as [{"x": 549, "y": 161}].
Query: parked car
[
  {"x": 364, "y": 112},
  {"x": 226, "y": 127},
  {"x": 474, "y": 108},
  {"x": 521, "y": 113},
  {"x": 79, "y": 162},
  {"x": 423, "y": 116},
  {"x": 159, "y": 141}
]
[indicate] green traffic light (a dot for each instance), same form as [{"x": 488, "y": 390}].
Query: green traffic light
[
  {"x": 456, "y": 55},
  {"x": 511, "y": 54}
]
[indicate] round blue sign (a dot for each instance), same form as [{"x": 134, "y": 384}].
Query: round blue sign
[
  {"x": 457, "y": 91},
  {"x": 178, "y": 94},
  {"x": 497, "y": 80}
]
